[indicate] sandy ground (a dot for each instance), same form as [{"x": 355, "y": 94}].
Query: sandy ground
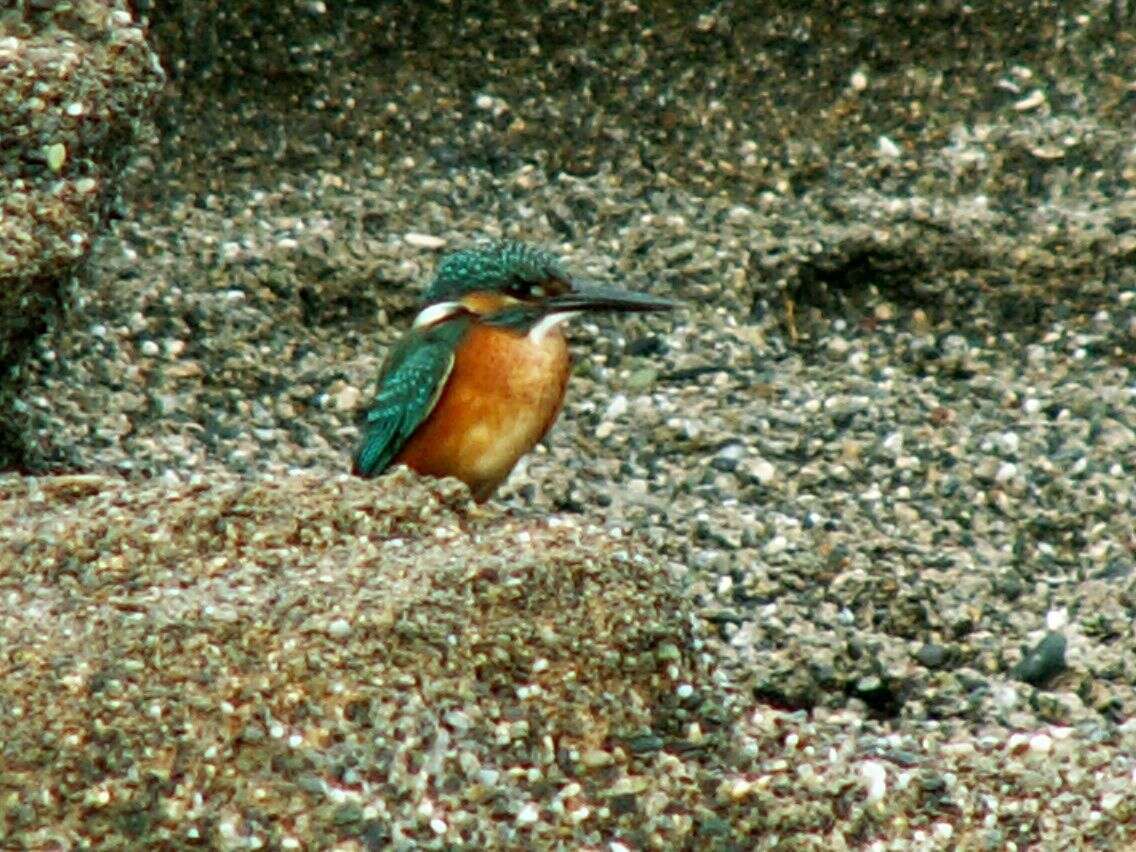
[{"x": 840, "y": 556}]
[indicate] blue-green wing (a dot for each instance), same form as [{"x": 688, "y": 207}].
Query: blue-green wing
[{"x": 409, "y": 386}]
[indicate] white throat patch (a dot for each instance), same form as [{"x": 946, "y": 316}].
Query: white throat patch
[
  {"x": 436, "y": 313},
  {"x": 540, "y": 331}
]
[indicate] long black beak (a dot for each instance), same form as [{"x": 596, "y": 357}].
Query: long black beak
[{"x": 594, "y": 298}]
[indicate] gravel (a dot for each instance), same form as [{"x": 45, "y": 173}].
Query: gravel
[
  {"x": 840, "y": 556},
  {"x": 77, "y": 90}
]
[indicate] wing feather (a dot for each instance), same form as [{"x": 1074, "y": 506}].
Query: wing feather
[{"x": 410, "y": 385}]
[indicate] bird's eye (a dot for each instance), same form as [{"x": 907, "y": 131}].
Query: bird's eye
[{"x": 520, "y": 288}]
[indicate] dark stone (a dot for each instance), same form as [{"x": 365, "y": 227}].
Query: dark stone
[
  {"x": 933, "y": 656},
  {"x": 1044, "y": 662}
]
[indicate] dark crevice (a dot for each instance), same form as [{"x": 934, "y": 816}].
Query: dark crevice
[
  {"x": 21, "y": 329},
  {"x": 832, "y": 283}
]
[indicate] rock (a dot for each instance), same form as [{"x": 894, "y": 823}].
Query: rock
[
  {"x": 424, "y": 241},
  {"x": 1044, "y": 662},
  {"x": 932, "y": 656},
  {"x": 77, "y": 87}
]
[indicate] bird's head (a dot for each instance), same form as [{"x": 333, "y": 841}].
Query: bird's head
[{"x": 519, "y": 286}]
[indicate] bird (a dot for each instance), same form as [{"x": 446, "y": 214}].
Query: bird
[{"x": 479, "y": 378}]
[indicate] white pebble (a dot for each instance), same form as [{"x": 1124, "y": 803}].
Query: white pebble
[
  {"x": 893, "y": 443},
  {"x": 1009, "y": 441},
  {"x": 616, "y": 408},
  {"x": 763, "y": 471},
  {"x": 423, "y": 241},
  {"x": 347, "y": 399},
  {"x": 777, "y": 544},
  {"x": 1031, "y": 101},
  {"x": 875, "y": 781}
]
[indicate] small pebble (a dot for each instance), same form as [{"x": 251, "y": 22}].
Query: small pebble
[{"x": 423, "y": 241}]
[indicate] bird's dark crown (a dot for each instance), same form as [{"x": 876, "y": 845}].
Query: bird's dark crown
[{"x": 509, "y": 267}]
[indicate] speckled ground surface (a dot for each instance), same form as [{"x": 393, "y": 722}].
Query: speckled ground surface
[
  {"x": 77, "y": 91},
  {"x": 841, "y": 555}
]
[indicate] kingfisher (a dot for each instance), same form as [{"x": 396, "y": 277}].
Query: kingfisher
[{"x": 479, "y": 378}]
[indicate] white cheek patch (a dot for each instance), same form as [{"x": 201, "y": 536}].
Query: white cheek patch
[
  {"x": 540, "y": 331},
  {"x": 437, "y": 313}
]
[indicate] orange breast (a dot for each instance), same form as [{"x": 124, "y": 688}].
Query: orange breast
[{"x": 502, "y": 397}]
